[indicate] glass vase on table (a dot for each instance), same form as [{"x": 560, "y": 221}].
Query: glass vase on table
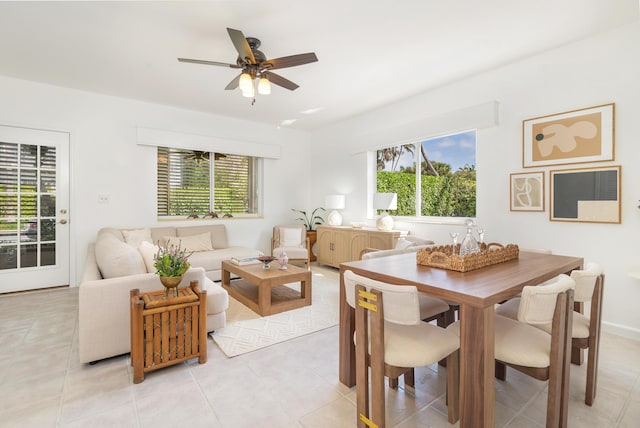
[
  {"x": 469, "y": 244},
  {"x": 454, "y": 242}
]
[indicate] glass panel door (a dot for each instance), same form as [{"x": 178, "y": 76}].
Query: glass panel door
[{"x": 34, "y": 236}]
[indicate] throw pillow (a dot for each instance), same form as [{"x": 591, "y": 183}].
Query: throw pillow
[
  {"x": 290, "y": 237},
  {"x": 137, "y": 236},
  {"x": 403, "y": 244},
  {"x": 116, "y": 258},
  {"x": 148, "y": 252},
  {"x": 201, "y": 242}
]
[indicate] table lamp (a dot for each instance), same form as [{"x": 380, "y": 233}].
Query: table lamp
[
  {"x": 385, "y": 201},
  {"x": 334, "y": 203}
]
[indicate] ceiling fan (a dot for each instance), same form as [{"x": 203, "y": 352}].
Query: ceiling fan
[{"x": 255, "y": 65}]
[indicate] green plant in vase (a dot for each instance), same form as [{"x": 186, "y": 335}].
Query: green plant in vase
[
  {"x": 310, "y": 221},
  {"x": 171, "y": 263}
]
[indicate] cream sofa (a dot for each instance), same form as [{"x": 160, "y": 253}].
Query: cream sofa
[
  {"x": 117, "y": 263},
  {"x": 406, "y": 244}
]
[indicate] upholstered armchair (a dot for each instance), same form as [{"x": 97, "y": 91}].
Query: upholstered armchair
[{"x": 293, "y": 240}]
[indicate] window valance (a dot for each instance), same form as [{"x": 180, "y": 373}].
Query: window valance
[{"x": 181, "y": 140}]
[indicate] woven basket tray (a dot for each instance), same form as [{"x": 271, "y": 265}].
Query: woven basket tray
[{"x": 490, "y": 254}]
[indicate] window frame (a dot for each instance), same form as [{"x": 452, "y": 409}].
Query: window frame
[
  {"x": 256, "y": 180},
  {"x": 418, "y": 218}
]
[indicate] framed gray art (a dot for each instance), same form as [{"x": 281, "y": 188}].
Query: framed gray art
[{"x": 585, "y": 195}]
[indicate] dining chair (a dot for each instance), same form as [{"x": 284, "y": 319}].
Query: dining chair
[
  {"x": 431, "y": 308},
  {"x": 585, "y": 333},
  {"x": 586, "y": 329},
  {"x": 391, "y": 338},
  {"x": 293, "y": 240},
  {"x": 537, "y": 343}
]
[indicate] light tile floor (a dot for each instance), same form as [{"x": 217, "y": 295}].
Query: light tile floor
[{"x": 293, "y": 384}]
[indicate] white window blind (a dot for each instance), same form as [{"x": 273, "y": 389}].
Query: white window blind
[{"x": 185, "y": 186}]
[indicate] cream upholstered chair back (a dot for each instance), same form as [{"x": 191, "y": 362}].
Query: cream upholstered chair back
[
  {"x": 400, "y": 303},
  {"x": 538, "y": 303},
  {"x": 586, "y": 281},
  {"x": 291, "y": 239},
  {"x": 289, "y": 236}
]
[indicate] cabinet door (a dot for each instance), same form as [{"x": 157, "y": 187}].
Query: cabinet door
[
  {"x": 383, "y": 240},
  {"x": 341, "y": 247},
  {"x": 358, "y": 242},
  {"x": 325, "y": 241}
]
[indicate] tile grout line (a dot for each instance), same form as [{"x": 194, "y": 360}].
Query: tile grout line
[
  {"x": 524, "y": 407},
  {"x": 625, "y": 406},
  {"x": 66, "y": 374}
]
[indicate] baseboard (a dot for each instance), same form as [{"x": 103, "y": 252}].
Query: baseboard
[{"x": 621, "y": 330}]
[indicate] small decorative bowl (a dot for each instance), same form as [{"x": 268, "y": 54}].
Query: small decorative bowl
[{"x": 266, "y": 260}]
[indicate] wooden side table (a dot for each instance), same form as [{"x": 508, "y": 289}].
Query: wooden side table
[{"x": 167, "y": 330}]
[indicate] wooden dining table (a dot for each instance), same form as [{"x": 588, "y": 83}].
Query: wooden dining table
[{"x": 476, "y": 292}]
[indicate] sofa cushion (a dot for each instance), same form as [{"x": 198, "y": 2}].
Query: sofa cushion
[
  {"x": 211, "y": 260},
  {"x": 136, "y": 236},
  {"x": 292, "y": 252},
  {"x": 148, "y": 252},
  {"x": 158, "y": 234},
  {"x": 195, "y": 243},
  {"x": 403, "y": 244},
  {"x": 415, "y": 240},
  {"x": 217, "y": 297},
  {"x": 117, "y": 233},
  {"x": 218, "y": 233},
  {"x": 116, "y": 258}
]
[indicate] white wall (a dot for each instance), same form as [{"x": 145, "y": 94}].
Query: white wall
[
  {"x": 603, "y": 69},
  {"x": 596, "y": 71},
  {"x": 105, "y": 159}
]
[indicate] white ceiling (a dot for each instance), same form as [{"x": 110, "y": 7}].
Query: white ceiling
[{"x": 370, "y": 52}]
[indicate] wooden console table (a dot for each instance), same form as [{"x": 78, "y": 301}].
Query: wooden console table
[
  {"x": 340, "y": 244},
  {"x": 167, "y": 330}
]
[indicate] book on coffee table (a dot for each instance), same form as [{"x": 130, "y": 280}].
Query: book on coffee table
[{"x": 244, "y": 260}]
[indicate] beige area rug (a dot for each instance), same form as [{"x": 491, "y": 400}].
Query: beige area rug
[{"x": 247, "y": 331}]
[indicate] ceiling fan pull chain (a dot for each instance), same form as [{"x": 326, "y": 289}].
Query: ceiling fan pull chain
[{"x": 254, "y": 101}]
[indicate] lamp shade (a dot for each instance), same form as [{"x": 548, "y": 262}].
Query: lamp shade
[
  {"x": 249, "y": 93},
  {"x": 264, "y": 86},
  {"x": 334, "y": 202},
  {"x": 245, "y": 82},
  {"x": 385, "y": 201}
]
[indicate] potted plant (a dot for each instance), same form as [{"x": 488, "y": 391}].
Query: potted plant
[
  {"x": 171, "y": 263},
  {"x": 310, "y": 222}
]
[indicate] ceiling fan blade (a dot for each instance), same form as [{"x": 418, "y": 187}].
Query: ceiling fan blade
[
  {"x": 276, "y": 79},
  {"x": 202, "y": 61},
  {"x": 234, "y": 83},
  {"x": 290, "y": 61},
  {"x": 240, "y": 42}
]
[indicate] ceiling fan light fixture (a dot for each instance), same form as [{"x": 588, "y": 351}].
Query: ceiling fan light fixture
[
  {"x": 250, "y": 93},
  {"x": 246, "y": 82},
  {"x": 264, "y": 86}
]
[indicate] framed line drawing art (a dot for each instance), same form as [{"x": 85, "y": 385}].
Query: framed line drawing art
[
  {"x": 585, "y": 195},
  {"x": 577, "y": 136},
  {"x": 527, "y": 191}
]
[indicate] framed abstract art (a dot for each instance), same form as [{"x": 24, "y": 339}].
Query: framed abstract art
[
  {"x": 527, "y": 191},
  {"x": 585, "y": 195},
  {"x": 577, "y": 136}
]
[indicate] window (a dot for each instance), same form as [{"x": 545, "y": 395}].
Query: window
[
  {"x": 444, "y": 184},
  {"x": 190, "y": 184}
]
